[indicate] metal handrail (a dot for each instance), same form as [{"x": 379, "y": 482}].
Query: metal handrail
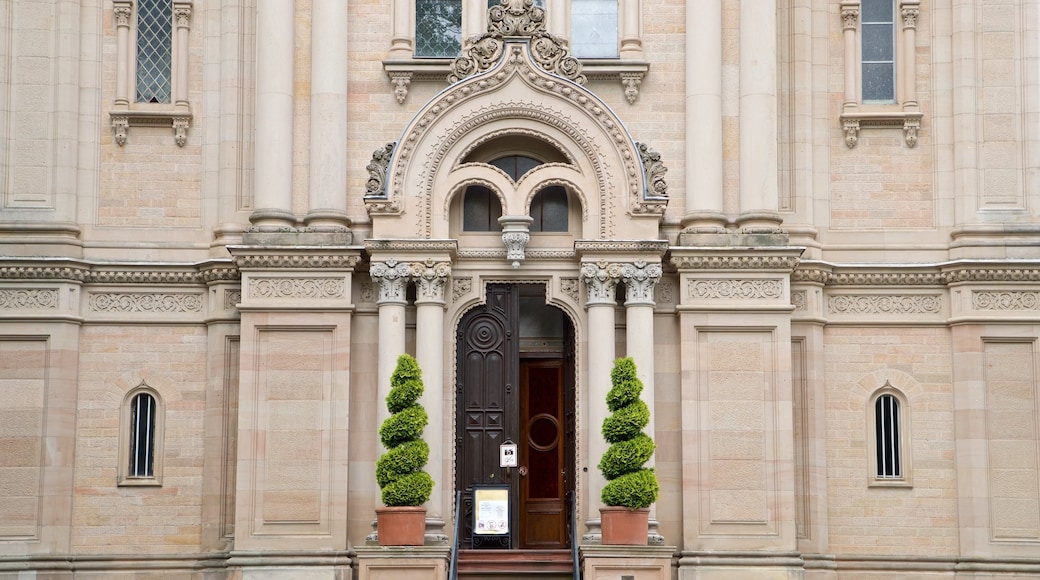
[
  {"x": 574, "y": 534},
  {"x": 454, "y": 565}
]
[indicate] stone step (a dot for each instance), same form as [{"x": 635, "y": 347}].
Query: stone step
[{"x": 514, "y": 564}]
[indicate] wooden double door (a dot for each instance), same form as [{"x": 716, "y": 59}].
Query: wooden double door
[{"x": 509, "y": 395}]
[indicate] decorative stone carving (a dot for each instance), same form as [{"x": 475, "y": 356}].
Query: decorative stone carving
[
  {"x": 401, "y": 80},
  {"x": 392, "y": 277},
  {"x": 81, "y": 272},
  {"x": 28, "y": 299},
  {"x": 516, "y": 18},
  {"x": 180, "y": 131},
  {"x": 909, "y": 14},
  {"x": 885, "y": 304},
  {"x": 122, "y": 11},
  {"x": 910, "y": 128},
  {"x": 730, "y": 289},
  {"x": 709, "y": 262},
  {"x": 165, "y": 303},
  {"x": 460, "y": 287},
  {"x": 640, "y": 279},
  {"x": 182, "y": 14},
  {"x": 300, "y": 288},
  {"x": 366, "y": 292},
  {"x": 430, "y": 279},
  {"x": 631, "y": 82},
  {"x": 665, "y": 293},
  {"x": 1005, "y": 300},
  {"x": 600, "y": 279},
  {"x": 799, "y": 299},
  {"x": 376, "y": 184},
  {"x": 653, "y": 173},
  {"x": 232, "y": 298},
  {"x": 569, "y": 286},
  {"x": 849, "y": 17},
  {"x": 120, "y": 123},
  {"x": 318, "y": 261},
  {"x": 515, "y": 235},
  {"x": 851, "y": 128}
]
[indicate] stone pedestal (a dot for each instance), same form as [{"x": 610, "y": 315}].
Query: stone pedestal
[
  {"x": 627, "y": 562},
  {"x": 394, "y": 562}
]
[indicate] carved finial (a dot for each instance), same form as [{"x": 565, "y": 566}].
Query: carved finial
[
  {"x": 376, "y": 185},
  {"x": 653, "y": 171}
]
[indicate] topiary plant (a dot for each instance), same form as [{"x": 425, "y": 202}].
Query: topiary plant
[
  {"x": 629, "y": 483},
  {"x": 399, "y": 470}
]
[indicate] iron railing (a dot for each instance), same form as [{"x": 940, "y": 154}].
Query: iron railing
[{"x": 454, "y": 565}]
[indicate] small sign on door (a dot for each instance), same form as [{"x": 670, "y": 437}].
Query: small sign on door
[{"x": 507, "y": 455}]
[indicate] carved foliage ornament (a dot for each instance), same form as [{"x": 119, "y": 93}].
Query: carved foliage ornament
[
  {"x": 640, "y": 280},
  {"x": 312, "y": 288},
  {"x": 1006, "y": 300},
  {"x": 600, "y": 280},
  {"x": 885, "y": 304},
  {"x": 144, "y": 302},
  {"x": 35, "y": 299},
  {"x": 430, "y": 279},
  {"x": 736, "y": 289},
  {"x": 376, "y": 184},
  {"x": 392, "y": 277},
  {"x": 653, "y": 171}
]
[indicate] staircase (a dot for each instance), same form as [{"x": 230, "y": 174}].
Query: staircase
[{"x": 515, "y": 564}]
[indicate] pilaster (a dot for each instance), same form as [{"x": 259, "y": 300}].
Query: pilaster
[{"x": 738, "y": 464}]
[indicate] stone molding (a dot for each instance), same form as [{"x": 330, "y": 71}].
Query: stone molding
[
  {"x": 273, "y": 288},
  {"x": 425, "y": 246},
  {"x": 926, "y": 275},
  {"x": 94, "y": 273},
  {"x": 152, "y": 302},
  {"x": 1006, "y": 300},
  {"x": 885, "y": 304},
  {"x": 735, "y": 289},
  {"x": 655, "y": 247},
  {"x": 297, "y": 261},
  {"x": 710, "y": 261},
  {"x": 29, "y": 298}
]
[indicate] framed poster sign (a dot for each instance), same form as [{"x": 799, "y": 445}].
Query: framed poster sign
[
  {"x": 507, "y": 455},
  {"x": 491, "y": 510}
]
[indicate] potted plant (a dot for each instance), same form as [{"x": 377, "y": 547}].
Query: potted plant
[
  {"x": 399, "y": 471},
  {"x": 631, "y": 488}
]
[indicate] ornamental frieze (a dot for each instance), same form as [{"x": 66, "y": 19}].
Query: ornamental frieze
[
  {"x": 28, "y": 299},
  {"x": 309, "y": 288},
  {"x": 736, "y": 289},
  {"x": 147, "y": 302},
  {"x": 1005, "y": 300},
  {"x": 724, "y": 262},
  {"x": 885, "y": 304},
  {"x": 323, "y": 261},
  {"x": 799, "y": 299}
]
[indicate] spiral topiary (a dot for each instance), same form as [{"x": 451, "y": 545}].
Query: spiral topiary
[
  {"x": 399, "y": 470},
  {"x": 629, "y": 484}
]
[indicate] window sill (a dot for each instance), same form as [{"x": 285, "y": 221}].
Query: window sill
[
  {"x": 176, "y": 116},
  {"x": 139, "y": 482},
  {"x": 855, "y": 117},
  {"x": 403, "y": 71},
  {"x": 891, "y": 483}
]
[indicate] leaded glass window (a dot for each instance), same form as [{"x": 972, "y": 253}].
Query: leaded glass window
[
  {"x": 878, "y": 45},
  {"x": 438, "y": 28},
  {"x": 594, "y": 28},
  {"x": 154, "y": 50}
]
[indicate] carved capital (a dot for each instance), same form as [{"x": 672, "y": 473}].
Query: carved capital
[
  {"x": 122, "y": 12},
  {"x": 640, "y": 280},
  {"x": 600, "y": 279},
  {"x": 392, "y": 277},
  {"x": 909, "y": 14},
  {"x": 182, "y": 14},
  {"x": 430, "y": 280},
  {"x": 849, "y": 17}
]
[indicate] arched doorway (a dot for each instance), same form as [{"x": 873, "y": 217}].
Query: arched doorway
[{"x": 515, "y": 384}]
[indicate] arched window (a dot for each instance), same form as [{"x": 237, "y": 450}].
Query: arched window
[
  {"x": 480, "y": 210},
  {"x": 889, "y": 441},
  {"x": 549, "y": 210},
  {"x": 141, "y": 438}
]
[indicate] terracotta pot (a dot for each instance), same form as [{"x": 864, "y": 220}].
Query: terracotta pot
[
  {"x": 401, "y": 526},
  {"x": 623, "y": 526}
]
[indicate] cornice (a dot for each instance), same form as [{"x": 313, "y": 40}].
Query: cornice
[
  {"x": 588, "y": 247},
  {"x": 86, "y": 272},
  {"x": 942, "y": 274}
]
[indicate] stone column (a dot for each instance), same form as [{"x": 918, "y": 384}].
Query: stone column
[
  {"x": 182, "y": 19},
  {"x": 275, "y": 42},
  {"x": 430, "y": 280},
  {"x": 704, "y": 194},
  {"x": 328, "y": 170},
  {"x": 402, "y": 28},
  {"x": 629, "y": 29},
  {"x": 640, "y": 279},
  {"x": 849, "y": 22},
  {"x": 758, "y": 121},
  {"x": 122, "y": 11},
  {"x": 907, "y": 70},
  {"x": 392, "y": 277},
  {"x": 600, "y": 280}
]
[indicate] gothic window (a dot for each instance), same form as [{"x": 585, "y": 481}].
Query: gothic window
[
  {"x": 154, "y": 50},
  {"x": 878, "y": 47},
  {"x": 889, "y": 442},
  {"x": 480, "y": 210},
  {"x": 549, "y": 210},
  {"x": 141, "y": 438}
]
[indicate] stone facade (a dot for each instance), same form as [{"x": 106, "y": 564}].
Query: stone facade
[{"x": 773, "y": 251}]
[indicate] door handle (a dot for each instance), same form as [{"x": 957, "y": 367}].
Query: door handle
[{"x": 522, "y": 470}]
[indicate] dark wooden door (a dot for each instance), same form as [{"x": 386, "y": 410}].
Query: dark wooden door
[
  {"x": 543, "y": 514},
  {"x": 487, "y": 399}
]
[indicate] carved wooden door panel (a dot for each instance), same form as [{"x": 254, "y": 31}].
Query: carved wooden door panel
[
  {"x": 486, "y": 397},
  {"x": 543, "y": 514}
]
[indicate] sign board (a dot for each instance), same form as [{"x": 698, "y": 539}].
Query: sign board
[
  {"x": 491, "y": 510},
  {"x": 507, "y": 455}
]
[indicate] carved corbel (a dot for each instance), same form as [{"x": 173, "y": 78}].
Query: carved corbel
[
  {"x": 515, "y": 235},
  {"x": 401, "y": 80},
  {"x": 851, "y": 127},
  {"x": 180, "y": 130},
  {"x": 631, "y": 82},
  {"x": 120, "y": 123},
  {"x": 910, "y": 127}
]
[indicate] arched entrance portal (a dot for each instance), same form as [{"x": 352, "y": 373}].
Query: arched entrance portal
[{"x": 515, "y": 383}]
